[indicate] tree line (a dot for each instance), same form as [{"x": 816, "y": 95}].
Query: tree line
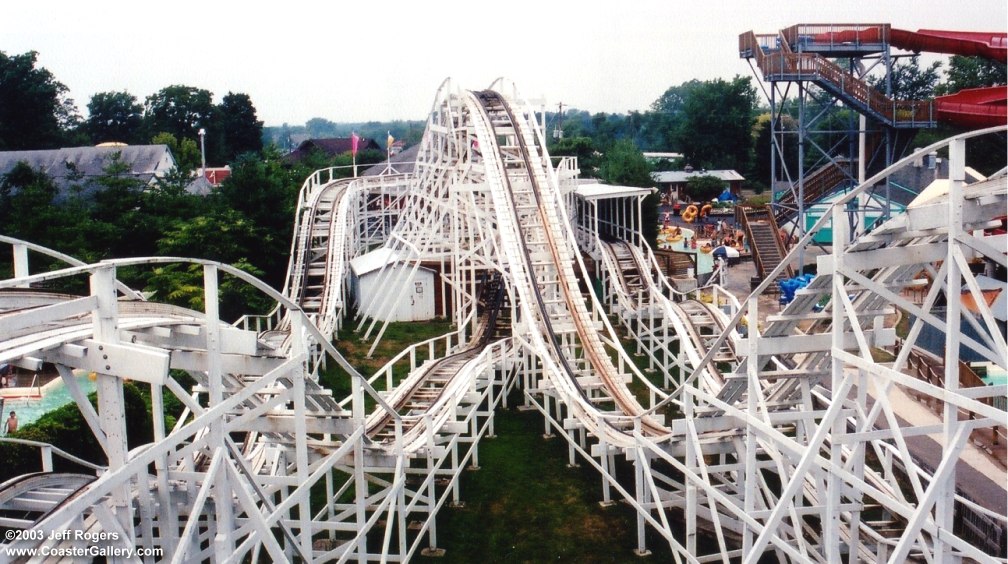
[
  {"x": 247, "y": 220},
  {"x": 36, "y": 112},
  {"x": 723, "y": 124}
]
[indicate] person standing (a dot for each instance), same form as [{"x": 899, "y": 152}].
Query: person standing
[{"x": 12, "y": 424}]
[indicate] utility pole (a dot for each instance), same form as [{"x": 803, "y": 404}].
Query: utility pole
[
  {"x": 202, "y": 137},
  {"x": 558, "y": 131}
]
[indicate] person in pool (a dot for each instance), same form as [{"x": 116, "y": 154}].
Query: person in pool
[{"x": 12, "y": 423}]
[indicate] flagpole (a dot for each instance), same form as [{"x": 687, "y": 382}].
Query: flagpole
[
  {"x": 353, "y": 150},
  {"x": 388, "y": 152}
]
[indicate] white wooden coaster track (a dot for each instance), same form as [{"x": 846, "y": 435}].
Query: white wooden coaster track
[{"x": 782, "y": 442}]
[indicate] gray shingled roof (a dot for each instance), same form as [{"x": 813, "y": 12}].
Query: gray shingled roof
[
  {"x": 401, "y": 163},
  {"x": 78, "y": 165},
  {"x": 910, "y": 181}
]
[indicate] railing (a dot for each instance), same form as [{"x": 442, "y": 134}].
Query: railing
[
  {"x": 817, "y": 184},
  {"x": 435, "y": 347},
  {"x": 756, "y": 45},
  {"x": 931, "y": 369},
  {"x": 785, "y": 65},
  {"x": 745, "y": 215},
  {"x": 47, "y": 451},
  {"x": 836, "y": 35}
]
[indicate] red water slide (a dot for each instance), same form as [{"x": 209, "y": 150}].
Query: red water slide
[
  {"x": 975, "y": 107},
  {"x": 989, "y": 45}
]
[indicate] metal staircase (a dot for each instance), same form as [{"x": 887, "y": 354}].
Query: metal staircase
[
  {"x": 764, "y": 240},
  {"x": 776, "y": 60},
  {"x": 820, "y": 183}
]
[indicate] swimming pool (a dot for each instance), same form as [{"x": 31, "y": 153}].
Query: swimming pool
[
  {"x": 54, "y": 394},
  {"x": 704, "y": 261}
]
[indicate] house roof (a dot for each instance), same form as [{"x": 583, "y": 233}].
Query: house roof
[
  {"x": 200, "y": 186},
  {"x": 216, "y": 175},
  {"x": 332, "y": 146},
  {"x": 676, "y": 176},
  {"x": 77, "y": 165},
  {"x": 401, "y": 163},
  {"x": 920, "y": 183}
]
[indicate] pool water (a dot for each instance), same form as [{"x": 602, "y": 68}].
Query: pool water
[
  {"x": 54, "y": 394},
  {"x": 704, "y": 261}
]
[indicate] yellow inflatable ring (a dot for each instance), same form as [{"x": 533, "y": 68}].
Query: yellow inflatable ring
[
  {"x": 705, "y": 211},
  {"x": 689, "y": 214},
  {"x": 706, "y": 248}
]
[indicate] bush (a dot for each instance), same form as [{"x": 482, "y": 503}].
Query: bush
[{"x": 66, "y": 429}]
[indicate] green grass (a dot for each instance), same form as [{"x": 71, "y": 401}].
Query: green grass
[
  {"x": 525, "y": 505},
  {"x": 397, "y": 337}
]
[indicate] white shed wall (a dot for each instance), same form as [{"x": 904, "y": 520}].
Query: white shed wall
[{"x": 413, "y": 302}]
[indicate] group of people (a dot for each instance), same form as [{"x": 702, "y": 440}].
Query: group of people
[{"x": 724, "y": 234}]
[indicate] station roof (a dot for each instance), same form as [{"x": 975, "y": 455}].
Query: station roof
[
  {"x": 675, "y": 176},
  {"x": 940, "y": 186},
  {"x": 592, "y": 190},
  {"x": 373, "y": 261}
]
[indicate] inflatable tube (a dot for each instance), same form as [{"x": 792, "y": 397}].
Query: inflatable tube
[
  {"x": 689, "y": 214},
  {"x": 706, "y": 248},
  {"x": 705, "y": 211}
]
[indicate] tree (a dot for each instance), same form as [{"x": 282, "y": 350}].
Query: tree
[
  {"x": 182, "y": 284},
  {"x": 321, "y": 128},
  {"x": 120, "y": 225},
  {"x": 667, "y": 113},
  {"x": 28, "y": 211},
  {"x": 264, "y": 191},
  {"x": 715, "y": 130},
  {"x": 623, "y": 164},
  {"x": 186, "y": 153},
  {"x": 236, "y": 125},
  {"x": 672, "y": 102},
  {"x": 580, "y": 147},
  {"x": 760, "y": 175},
  {"x": 705, "y": 187},
  {"x": 35, "y": 112},
  {"x": 909, "y": 81},
  {"x": 179, "y": 110},
  {"x": 971, "y": 72},
  {"x": 114, "y": 116}
]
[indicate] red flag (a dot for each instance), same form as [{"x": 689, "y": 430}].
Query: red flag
[{"x": 354, "y": 140}]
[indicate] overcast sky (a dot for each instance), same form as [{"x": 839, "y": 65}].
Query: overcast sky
[{"x": 356, "y": 61}]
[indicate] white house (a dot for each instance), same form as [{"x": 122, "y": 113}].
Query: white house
[{"x": 413, "y": 296}]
